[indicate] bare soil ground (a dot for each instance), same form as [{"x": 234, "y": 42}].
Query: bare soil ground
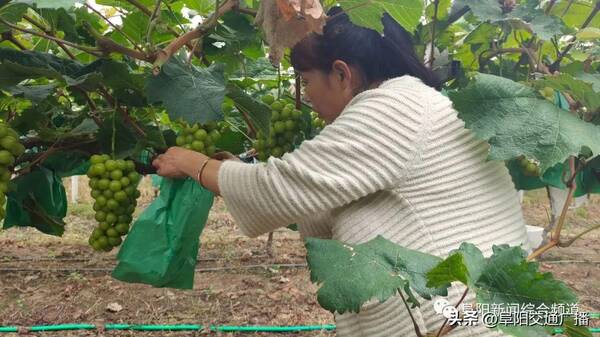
[{"x": 49, "y": 280}]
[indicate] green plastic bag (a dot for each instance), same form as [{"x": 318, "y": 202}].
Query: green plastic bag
[{"x": 162, "y": 247}]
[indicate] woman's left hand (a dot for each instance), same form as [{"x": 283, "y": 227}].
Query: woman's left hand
[{"x": 178, "y": 162}]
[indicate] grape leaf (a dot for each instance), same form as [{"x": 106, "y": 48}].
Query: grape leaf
[
  {"x": 20, "y": 65},
  {"x": 87, "y": 126},
  {"x": 443, "y": 8},
  {"x": 231, "y": 141},
  {"x": 576, "y": 69},
  {"x": 451, "y": 269},
  {"x": 589, "y": 34},
  {"x": 127, "y": 85},
  {"x": 203, "y": 7},
  {"x": 51, "y": 3},
  {"x": 60, "y": 20},
  {"x": 34, "y": 93},
  {"x": 485, "y": 10},
  {"x": 258, "y": 112},
  {"x": 13, "y": 12},
  {"x": 126, "y": 143},
  {"x": 369, "y": 13},
  {"x": 38, "y": 200},
  {"x": 515, "y": 121},
  {"x": 237, "y": 31},
  {"x": 509, "y": 278},
  {"x": 188, "y": 92},
  {"x": 135, "y": 25},
  {"x": 505, "y": 278},
  {"x": 464, "y": 264},
  {"x": 544, "y": 26},
  {"x": 574, "y": 13},
  {"x": 68, "y": 163},
  {"x": 483, "y": 33},
  {"x": 353, "y": 274}
]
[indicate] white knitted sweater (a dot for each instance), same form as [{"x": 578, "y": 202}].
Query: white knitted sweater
[{"x": 399, "y": 163}]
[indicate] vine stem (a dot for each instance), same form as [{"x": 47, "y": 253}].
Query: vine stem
[
  {"x": 298, "y": 85},
  {"x": 88, "y": 50},
  {"x": 108, "y": 46},
  {"x": 412, "y": 318},
  {"x": 115, "y": 27},
  {"x": 148, "y": 13},
  {"x": 151, "y": 21},
  {"x": 570, "y": 242},
  {"x": 163, "y": 55},
  {"x": 278, "y": 82},
  {"x": 124, "y": 113},
  {"x": 43, "y": 29},
  {"x": 442, "y": 331},
  {"x": 54, "y": 147},
  {"x": 157, "y": 121},
  {"x": 550, "y": 5},
  {"x": 114, "y": 133},
  {"x": 567, "y": 8},
  {"x": 238, "y": 129},
  {"x": 247, "y": 120},
  {"x": 554, "y": 66},
  {"x": 8, "y": 36},
  {"x": 91, "y": 104},
  {"x": 247, "y": 11},
  {"x": 493, "y": 52},
  {"x": 140, "y": 6},
  {"x": 436, "y": 4},
  {"x": 555, "y": 235}
]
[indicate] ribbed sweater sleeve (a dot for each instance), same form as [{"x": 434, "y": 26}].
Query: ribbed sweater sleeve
[{"x": 369, "y": 147}]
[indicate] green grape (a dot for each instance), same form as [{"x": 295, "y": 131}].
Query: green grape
[
  {"x": 268, "y": 99},
  {"x": 223, "y": 126},
  {"x": 279, "y": 127},
  {"x": 548, "y": 93},
  {"x": 317, "y": 123},
  {"x": 276, "y": 106},
  {"x": 201, "y": 138},
  {"x": 285, "y": 130},
  {"x": 227, "y": 106},
  {"x": 528, "y": 167},
  {"x": 114, "y": 189}
]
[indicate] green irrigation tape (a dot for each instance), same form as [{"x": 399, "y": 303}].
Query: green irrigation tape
[
  {"x": 176, "y": 327},
  {"x": 188, "y": 327}
]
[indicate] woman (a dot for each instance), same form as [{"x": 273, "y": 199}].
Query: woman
[{"x": 394, "y": 160}]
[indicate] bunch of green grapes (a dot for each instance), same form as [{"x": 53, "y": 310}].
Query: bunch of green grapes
[
  {"x": 10, "y": 149},
  {"x": 114, "y": 189},
  {"x": 316, "y": 122},
  {"x": 200, "y": 138},
  {"x": 286, "y": 124},
  {"x": 528, "y": 167}
]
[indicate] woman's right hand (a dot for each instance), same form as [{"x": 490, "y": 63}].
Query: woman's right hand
[{"x": 178, "y": 162}]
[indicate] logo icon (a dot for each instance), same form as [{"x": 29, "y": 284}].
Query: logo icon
[{"x": 442, "y": 306}]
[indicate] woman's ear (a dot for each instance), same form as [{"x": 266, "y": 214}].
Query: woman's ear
[{"x": 342, "y": 73}]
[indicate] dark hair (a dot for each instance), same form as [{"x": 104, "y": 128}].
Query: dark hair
[{"x": 377, "y": 58}]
